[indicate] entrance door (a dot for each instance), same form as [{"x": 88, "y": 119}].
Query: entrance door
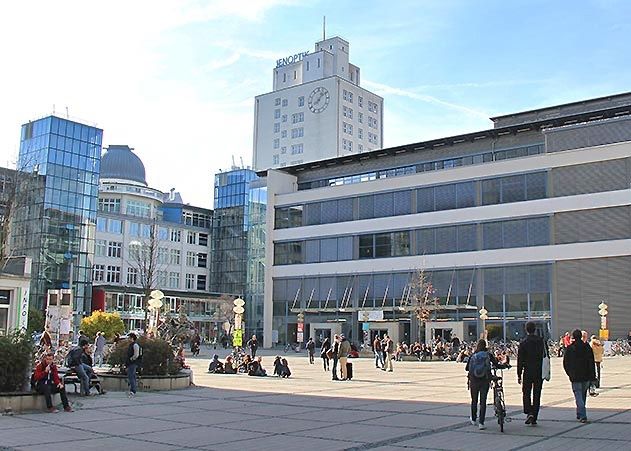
[{"x": 443, "y": 334}]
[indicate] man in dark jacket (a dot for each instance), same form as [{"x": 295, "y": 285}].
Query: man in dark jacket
[
  {"x": 529, "y": 362},
  {"x": 336, "y": 355},
  {"x": 578, "y": 363}
]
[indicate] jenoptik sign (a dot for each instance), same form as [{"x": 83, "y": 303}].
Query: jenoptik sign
[{"x": 291, "y": 59}]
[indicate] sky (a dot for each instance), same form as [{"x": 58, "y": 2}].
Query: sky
[{"x": 176, "y": 79}]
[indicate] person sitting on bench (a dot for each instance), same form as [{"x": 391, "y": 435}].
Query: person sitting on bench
[
  {"x": 47, "y": 382},
  {"x": 216, "y": 366},
  {"x": 76, "y": 361}
]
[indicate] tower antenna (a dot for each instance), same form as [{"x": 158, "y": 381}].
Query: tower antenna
[{"x": 324, "y": 28}]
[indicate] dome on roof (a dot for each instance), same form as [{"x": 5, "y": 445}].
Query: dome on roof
[{"x": 119, "y": 162}]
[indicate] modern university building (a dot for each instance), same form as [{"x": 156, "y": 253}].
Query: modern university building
[{"x": 530, "y": 220}]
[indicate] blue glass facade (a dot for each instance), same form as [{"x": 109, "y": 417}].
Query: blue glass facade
[
  {"x": 58, "y": 231},
  {"x": 230, "y": 231}
]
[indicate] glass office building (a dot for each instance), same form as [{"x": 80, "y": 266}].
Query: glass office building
[
  {"x": 57, "y": 229},
  {"x": 230, "y": 231},
  {"x": 256, "y": 223}
]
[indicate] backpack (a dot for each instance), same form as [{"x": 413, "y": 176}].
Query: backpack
[{"x": 480, "y": 364}]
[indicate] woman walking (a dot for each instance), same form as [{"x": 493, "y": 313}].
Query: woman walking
[{"x": 326, "y": 346}]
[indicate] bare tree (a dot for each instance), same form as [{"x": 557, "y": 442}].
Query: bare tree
[
  {"x": 145, "y": 259},
  {"x": 423, "y": 299}
]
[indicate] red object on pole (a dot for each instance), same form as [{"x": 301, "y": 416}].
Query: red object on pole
[{"x": 98, "y": 299}]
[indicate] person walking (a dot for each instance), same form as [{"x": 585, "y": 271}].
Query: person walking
[
  {"x": 253, "y": 344},
  {"x": 388, "y": 349},
  {"x": 599, "y": 351},
  {"x": 479, "y": 381},
  {"x": 376, "y": 347},
  {"x": 99, "y": 348},
  {"x": 578, "y": 363},
  {"x": 324, "y": 353},
  {"x": 311, "y": 350},
  {"x": 134, "y": 357},
  {"x": 529, "y": 372},
  {"x": 343, "y": 351},
  {"x": 336, "y": 356},
  {"x": 47, "y": 382}
]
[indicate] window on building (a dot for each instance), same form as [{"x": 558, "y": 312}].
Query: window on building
[
  {"x": 163, "y": 278},
  {"x": 100, "y": 248},
  {"x": 360, "y": 118},
  {"x": 174, "y": 280},
  {"x": 114, "y": 249},
  {"x": 275, "y": 159},
  {"x": 120, "y": 302},
  {"x": 284, "y": 118},
  {"x": 348, "y": 128},
  {"x": 174, "y": 256},
  {"x": 347, "y": 112},
  {"x": 298, "y": 132},
  {"x": 163, "y": 255},
  {"x": 98, "y": 273},
  {"x": 201, "y": 282},
  {"x": 360, "y": 147},
  {"x": 276, "y": 127},
  {"x": 138, "y": 208},
  {"x": 285, "y": 100},
  {"x": 113, "y": 274},
  {"x": 297, "y": 117},
  {"x": 190, "y": 258},
  {"x": 276, "y": 143},
  {"x": 283, "y": 150},
  {"x": 372, "y": 107},
  {"x": 277, "y": 101},
  {"x": 360, "y": 101},
  {"x": 203, "y": 239},
  {"x": 176, "y": 235},
  {"x": 283, "y": 134},
  {"x": 360, "y": 133},
  {"x": 132, "y": 276},
  {"x": 347, "y": 145},
  {"x": 134, "y": 229},
  {"x": 301, "y": 99},
  {"x": 277, "y": 113},
  {"x": 190, "y": 281},
  {"x": 163, "y": 233},
  {"x": 191, "y": 237},
  {"x": 202, "y": 260},
  {"x": 114, "y": 226},
  {"x": 101, "y": 224},
  {"x": 109, "y": 205},
  {"x": 296, "y": 149}
]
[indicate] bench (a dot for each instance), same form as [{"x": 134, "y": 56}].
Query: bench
[{"x": 70, "y": 377}]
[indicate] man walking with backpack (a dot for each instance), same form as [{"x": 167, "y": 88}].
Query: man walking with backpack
[
  {"x": 134, "y": 357},
  {"x": 311, "y": 350},
  {"x": 530, "y": 363}
]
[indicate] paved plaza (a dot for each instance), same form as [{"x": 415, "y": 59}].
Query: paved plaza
[{"x": 421, "y": 405}]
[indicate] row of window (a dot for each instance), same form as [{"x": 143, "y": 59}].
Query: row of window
[
  {"x": 435, "y": 165},
  {"x": 425, "y": 241},
  {"x": 164, "y": 279},
  {"x": 510, "y": 289},
  {"x": 514, "y": 188}
]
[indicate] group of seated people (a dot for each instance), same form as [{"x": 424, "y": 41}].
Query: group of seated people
[
  {"x": 249, "y": 366},
  {"x": 46, "y": 378}
]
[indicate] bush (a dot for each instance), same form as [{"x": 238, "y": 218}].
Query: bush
[
  {"x": 16, "y": 355},
  {"x": 158, "y": 358},
  {"x": 98, "y": 321}
]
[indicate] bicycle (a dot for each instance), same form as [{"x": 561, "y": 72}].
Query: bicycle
[{"x": 499, "y": 405}]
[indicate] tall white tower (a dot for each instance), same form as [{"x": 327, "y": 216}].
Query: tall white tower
[{"x": 317, "y": 110}]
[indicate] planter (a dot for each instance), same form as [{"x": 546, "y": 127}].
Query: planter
[
  {"x": 23, "y": 402},
  {"x": 118, "y": 382}
]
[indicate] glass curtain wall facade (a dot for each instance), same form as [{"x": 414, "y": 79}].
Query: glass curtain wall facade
[
  {"x": 230, "y": 231},
  {"x": 58, "y": 231},
  {"x": 255, "y": 290}
]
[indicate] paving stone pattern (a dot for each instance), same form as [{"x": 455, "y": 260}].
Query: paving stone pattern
[{"x": 421, "y": 405}]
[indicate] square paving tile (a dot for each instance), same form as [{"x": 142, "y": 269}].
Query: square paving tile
[
  {"x": 42, "y": 434},
  {"x": 457, "y": 441},
  {"x": 357, "y": 432},
  {"x": 200, "y": 436},
  {"x": 110, "y": 443},
  {"x": 286, "y": 442},
  {"x": 416, "y": 421}
]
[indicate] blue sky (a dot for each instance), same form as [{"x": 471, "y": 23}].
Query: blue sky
[{"x": 176, "y": 80}]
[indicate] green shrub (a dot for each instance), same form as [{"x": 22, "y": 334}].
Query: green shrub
[
  {"x": 16, "y": 354},
  {"x": 36, "y": 320},
  {"x": 158, "y": 358}
]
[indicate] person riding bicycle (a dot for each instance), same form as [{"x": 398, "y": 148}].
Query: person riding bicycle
[{"x": 479, "y": 369}]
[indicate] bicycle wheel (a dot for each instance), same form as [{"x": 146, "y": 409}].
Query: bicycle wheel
[{"x": 500, "y": 409}]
